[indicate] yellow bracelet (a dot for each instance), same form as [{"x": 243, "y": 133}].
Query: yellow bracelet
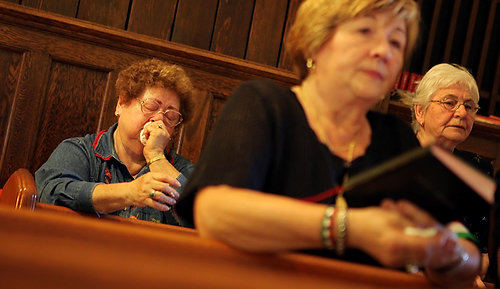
[{"x": 157, "y": 158}]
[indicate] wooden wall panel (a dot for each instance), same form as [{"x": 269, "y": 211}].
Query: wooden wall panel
[
  {"x": 286, "y": 62},
  {"x": 10, "y": 65},
  {"x": 26, "y": 112},
  {"x": 194, "y": 23},
  {"x": 110, "y": 12},
  {"x": 232, "y": 27},
  {"x": 194, "y": 132},
  {"x": 66, "y": 7},
  {"x": 152, "y": 17},
  {"x": 457, "y": 31},
  {"x": 109, "y": 100},
  {"x": 460, "y": 32},
  {"x": 477, "y": 38},
  {"x": 73, "y": 106},
  {"x": 11, "y": 1},
  {"x": 215, "y": 110},
  {"x": 267, "y": 31}
]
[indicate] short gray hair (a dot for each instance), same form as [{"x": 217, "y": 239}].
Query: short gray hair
[{"x": 439, "y": 77}]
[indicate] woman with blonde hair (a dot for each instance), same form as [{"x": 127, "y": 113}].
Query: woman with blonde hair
[{"x": 261, "y": 181}]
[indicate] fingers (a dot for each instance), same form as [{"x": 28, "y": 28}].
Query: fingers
[
  {"x": 157, "y": 136},
  {"x": 156, "y": 128},
  {"x": 162, "y": 198},
  {"x": 165, "y": 180},
  {"x": 156, "y": 205},
  {"x": 435, "y": 251},
  {"x": 413, "y": 213}
]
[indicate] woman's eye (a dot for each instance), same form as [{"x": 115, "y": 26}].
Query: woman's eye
[
  {"x": 396, "y": 44},
  {"x": 151, "y": 106},
  {"x": 364, "y": 30}
]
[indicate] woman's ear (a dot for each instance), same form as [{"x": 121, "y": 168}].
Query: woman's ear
[
  {"x": 118, "y": 108},
  {"x": 419, "y": 113}
]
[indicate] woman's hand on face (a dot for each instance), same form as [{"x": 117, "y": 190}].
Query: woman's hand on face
[
  {"x": 154, "y": 190},
  {"x": 383, "y": 232},
  {"x": 158, "y": 139}
]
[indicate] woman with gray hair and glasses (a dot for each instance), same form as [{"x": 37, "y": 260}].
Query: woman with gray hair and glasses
[
  {"x": 444, "y": 106},
  {"x": 443, "y": 110}
]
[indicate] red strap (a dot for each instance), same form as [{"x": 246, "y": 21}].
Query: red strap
[{"x": 324, "y": 195}]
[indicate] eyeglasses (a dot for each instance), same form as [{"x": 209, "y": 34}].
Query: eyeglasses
[
  {"x": 453, "y": 105},
  {"x": 171, "y": 117}
]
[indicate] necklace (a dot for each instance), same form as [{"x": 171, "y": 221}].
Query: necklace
[{"x": 340, "y": 201}]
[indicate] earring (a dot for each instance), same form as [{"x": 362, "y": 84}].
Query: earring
[
  {"x": 116, "y": 113},
  {"x": 310, "y": 64}
]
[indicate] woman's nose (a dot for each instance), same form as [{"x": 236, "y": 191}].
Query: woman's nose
[
  {"x": 461, "y": 111},
  {"x": 157, "y": 116},
  {"x": 381, "y": 47}
]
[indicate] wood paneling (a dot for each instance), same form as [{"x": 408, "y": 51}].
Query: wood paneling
[
  {"x": 66, "y": 7},
  {"x": 152, "y": 17},
  {"x": 232, "y": 27},
  {"x": 72, "y": 106},
  {"x": 26, "y": 111},
  {"x": 110, "y": 12},
  {"x": 10, "y": 65},
  {"x": 286, "y": 62},
  {"x": 11, "y": 1},
  {"x": 457, "y": 31},
  {"x": 480, "y": 76},
  {"x": 195, "y": 132},
  {"x": 194, "y": 23},
  {"x": 267, "y": 31}
]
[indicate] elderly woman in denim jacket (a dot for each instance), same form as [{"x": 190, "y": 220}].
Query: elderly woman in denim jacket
[{"x": 128, "y": 169}]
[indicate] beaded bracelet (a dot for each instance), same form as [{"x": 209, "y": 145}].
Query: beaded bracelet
[{"x": 327, "y": 228}]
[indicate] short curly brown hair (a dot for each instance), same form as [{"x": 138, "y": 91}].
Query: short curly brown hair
[{"x": 133, "y": 80}]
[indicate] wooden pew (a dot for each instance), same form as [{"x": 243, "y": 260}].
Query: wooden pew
[
  {"x": 45, "y": 250},
  {"x": 56, "y": 245},
  {"x": 20, "y": 193}
]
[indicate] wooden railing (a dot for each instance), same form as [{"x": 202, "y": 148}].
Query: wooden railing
[
  {"x": 45, "y": 249},
  {"x": 47, "y": 246}
]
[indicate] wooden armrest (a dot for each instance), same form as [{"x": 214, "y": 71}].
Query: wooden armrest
[
  {"x": 19, "y": 192},
  {"x": 42, "y": 207}
]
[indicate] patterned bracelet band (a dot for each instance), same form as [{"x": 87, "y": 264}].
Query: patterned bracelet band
[
  {"x": 157, "y": 158},
  {"x": 327, "y": 228},
  {"x": 341, "y": 223}
]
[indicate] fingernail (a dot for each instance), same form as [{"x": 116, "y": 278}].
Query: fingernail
[{"x": 177, "y": 183}]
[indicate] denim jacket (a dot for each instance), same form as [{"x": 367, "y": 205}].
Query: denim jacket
[{"x": 79, "y": 164}]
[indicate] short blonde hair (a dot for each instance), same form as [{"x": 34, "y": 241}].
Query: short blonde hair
[
  {"x": 439, "y": 77},
  {"x": 133, "y": 80},
  {"x": 317, "y": 19}
]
